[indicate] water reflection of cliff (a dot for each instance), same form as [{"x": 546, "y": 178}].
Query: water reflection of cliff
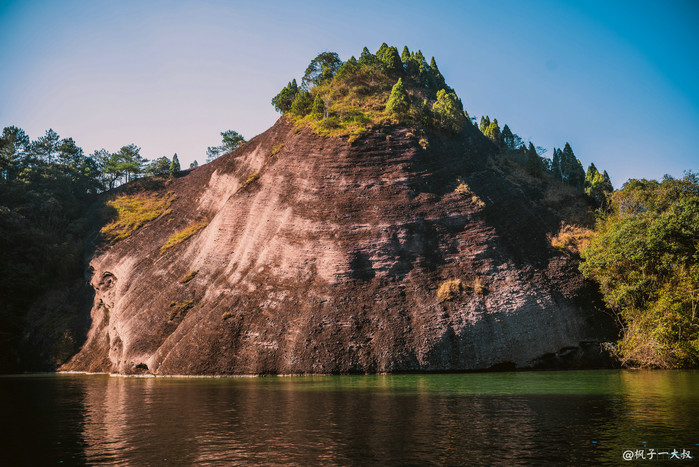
[{"x": 569, "y": 418}]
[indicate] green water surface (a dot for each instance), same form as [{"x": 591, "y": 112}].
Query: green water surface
[{"x": 524, "y": 418}]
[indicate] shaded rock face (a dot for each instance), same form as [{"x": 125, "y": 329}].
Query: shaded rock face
[{"x": 330, "y": 262}]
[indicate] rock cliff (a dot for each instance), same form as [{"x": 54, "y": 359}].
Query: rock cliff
[{"x": 313, "y": 255}]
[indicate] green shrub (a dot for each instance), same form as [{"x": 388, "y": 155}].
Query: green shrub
[{"x": 645, "y": 257}]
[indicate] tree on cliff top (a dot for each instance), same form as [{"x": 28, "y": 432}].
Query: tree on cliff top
[
  {"x": 321, "y": 68},
  {"x": 447, "y": 112},
  {"x": 230, "y": 140},
  {"x": 175, "y": 165},
  {"x": 282, "y": 101},
  {"x": 398, "y": 102}
]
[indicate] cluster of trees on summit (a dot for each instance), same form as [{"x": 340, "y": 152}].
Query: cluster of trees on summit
[{"x": 416, "y": 90}]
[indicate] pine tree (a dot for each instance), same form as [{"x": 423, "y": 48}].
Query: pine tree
[
  {"x": 592, "y": 172},
  {"x": 436, "y": 80},
  {"x": 194, "y": 164},
  {"x": 160, "y": 166},
  {"x": 412, "y": 66},
  {"x": 493, "y": 132},
  {"x": 534, "y": 163},
  {"x": 571, "y": 168},
  {"x": 174, "y": 165},
  {"x": 447, "y": 112},
  {"x": 508, "y": 139},
  {"x": 46, "y": 146},
  {"x": 69, "y": 154},
  {"x": 349, "y": 68},
  {"x": 485, "y": 121},
  {"x": 282, "y": 101},
  {"x": 405, "y": 56},
  {"x": 391, "y": 60},
  {"x": 14, "y": 152},
  {"x": 556, "y": 164},
  {"x": 382, "y": 50},
  {"x": 318, "y": 108},
  {"x": 230, "y": 140},
  {"x": 598, "y": 186},
  {"x": 366, "y": 58},
  {"x": 398, "y": 102},
  {"x": 322, "y": 68},
  {"x": 302, "y": 104},
  {"x": 420, "y": 68}
]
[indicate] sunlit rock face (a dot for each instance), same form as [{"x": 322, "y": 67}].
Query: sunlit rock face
[{"x": 330, "y": 261}]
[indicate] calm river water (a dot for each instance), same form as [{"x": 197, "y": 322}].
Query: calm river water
[{"x": 540, "y": 418}]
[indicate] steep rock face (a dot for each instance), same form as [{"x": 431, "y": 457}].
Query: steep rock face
[{"x": 330, "y": 261}]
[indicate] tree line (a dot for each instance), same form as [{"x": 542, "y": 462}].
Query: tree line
[
  {"x": 22, "y": 159},
  {"x": 564, "y": 166}
]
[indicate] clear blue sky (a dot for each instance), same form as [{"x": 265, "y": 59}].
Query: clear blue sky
[{"x": 618, "y": 80}]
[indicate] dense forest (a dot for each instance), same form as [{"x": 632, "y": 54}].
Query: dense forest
[
  {"x": 643, "y": 251},
  {"x": 645, "y": 256}
]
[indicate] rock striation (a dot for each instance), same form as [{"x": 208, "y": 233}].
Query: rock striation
[{"x": 320, "y": 256}]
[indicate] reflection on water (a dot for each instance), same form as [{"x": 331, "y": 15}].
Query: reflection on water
[{"x": 456, "y": 419}]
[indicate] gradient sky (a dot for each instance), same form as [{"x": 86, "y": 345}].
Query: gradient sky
[{"x": 618, "y": 80}]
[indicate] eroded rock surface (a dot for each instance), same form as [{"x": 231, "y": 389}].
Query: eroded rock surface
[{"x": 331, "y": 260}]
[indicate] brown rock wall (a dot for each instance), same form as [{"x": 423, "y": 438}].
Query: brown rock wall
[{"x": 330, "y": 262}]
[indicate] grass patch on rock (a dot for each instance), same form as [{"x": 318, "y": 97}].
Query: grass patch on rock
[
  {"x": 134, "y": 211},
  {"x": 478, "y": 286},
  {"x": 249, "y": 180},
  {"x": 188, "y": 277},
  {"x": 463, "y": 189},
  {"x": 179, "y": 237},
  {"x": 276, "y": 148},
  {"x": 449, "y": 289},
  {"x": 179, "y": 309},
  {"x": 571, "y": 238}
]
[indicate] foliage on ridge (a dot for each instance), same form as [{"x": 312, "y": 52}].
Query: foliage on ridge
[{"x": 346, "y": 98}]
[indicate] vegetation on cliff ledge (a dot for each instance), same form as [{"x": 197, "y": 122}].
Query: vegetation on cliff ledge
[
  {"x": 182, "y": 235},
  {"x": 347, "y": 98},
  {"x": 131, "y": 212}
]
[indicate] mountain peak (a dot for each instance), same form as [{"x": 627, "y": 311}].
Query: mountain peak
[{"x": 348, "y": 98}]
